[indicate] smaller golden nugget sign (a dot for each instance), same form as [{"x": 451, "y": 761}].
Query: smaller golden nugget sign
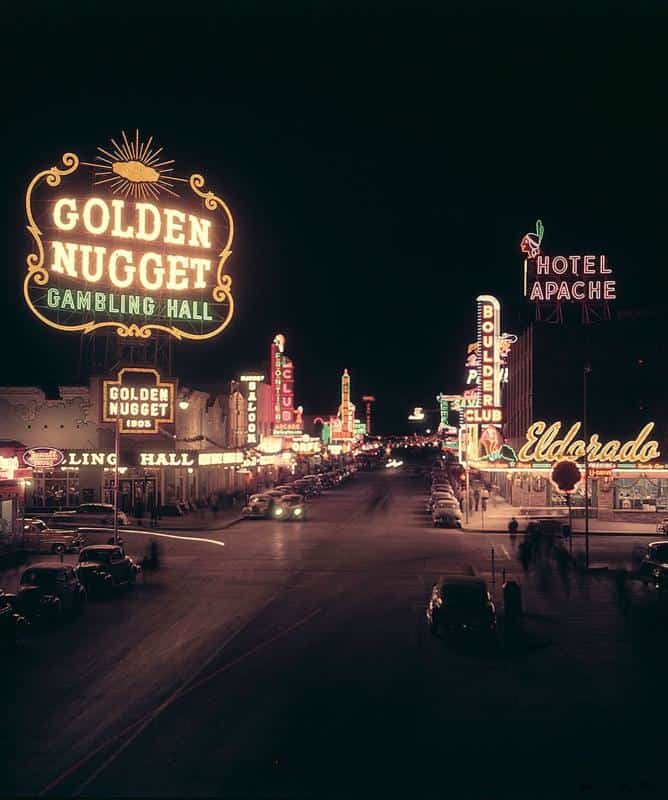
[
  {"x": 139, "y": 399},
  {"x": 144, "y": 251}
]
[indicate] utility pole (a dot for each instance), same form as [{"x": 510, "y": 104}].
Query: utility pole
[
  {"x": 587, "y": 370},
  {"x": 116, "y": 459}
]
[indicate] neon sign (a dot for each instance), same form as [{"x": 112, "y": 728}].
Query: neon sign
[
  {"x": 139, "y": 400},
  {"x": 488, "y": 408},
  {"x": 42, "y": 458},
  {"x": 542, "y": 444},
  {"x": 123, "y": 259},
  {"x": 251, "y": 382},
  {"x": 573, "y": 278}
]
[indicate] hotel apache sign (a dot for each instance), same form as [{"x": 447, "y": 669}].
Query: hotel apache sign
[
  {"x": 146, "y": 251},
  {"x": 139, "y": 399},
  {"x": 572, "y": 278}
]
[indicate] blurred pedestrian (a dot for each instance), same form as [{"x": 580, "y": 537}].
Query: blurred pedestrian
[
  {"x": 484, "y": 497},
  {"x": 523, "y": 553},
  {"x": 622, "y": 591},
  {"x": 139, "y": 511},
  {"x": 513, "y": 525},
  {"x": 563, "y": 561},
  {"x": 476, "y": 497}
]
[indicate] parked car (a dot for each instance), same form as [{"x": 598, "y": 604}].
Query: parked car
[
  {"x": 662, "y": 527},
  {"x": 89, "y": 514},
  {"x": 445, "y": 515},
  {"x": 260, "y": 506},
  {"x": 39, "y": 538},
  {"x": 47, "y": 591},
  {"x": 105, "y": 566},
  {"x": 461, "y": 605},
  {"x": 291, "y": 507},
  {"x": 10, "y": 621},
  {"x": 654, "y": 566}
]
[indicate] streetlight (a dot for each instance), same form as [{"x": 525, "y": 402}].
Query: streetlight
[{"x": 585, "y": 372}]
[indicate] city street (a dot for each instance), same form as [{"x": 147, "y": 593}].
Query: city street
[{"x": 295, "y": 660}]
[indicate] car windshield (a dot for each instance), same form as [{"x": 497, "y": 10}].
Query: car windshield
[
  {"x": 464, "y": 596},
  {"x": 291, "y": 499},
  {"x": 660, "y": 552},
  {"x": 45, "y": 578},
  {"x": 100, "y": 556}
]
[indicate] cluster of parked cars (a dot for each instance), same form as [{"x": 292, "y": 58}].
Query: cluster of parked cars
[
  {"x": 48, "y": 591},
  {"x": 442, "y": 503},
  {"x": 289, "y": 501}
]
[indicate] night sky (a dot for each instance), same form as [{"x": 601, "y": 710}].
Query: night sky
[{"x": 382, "y": 169}]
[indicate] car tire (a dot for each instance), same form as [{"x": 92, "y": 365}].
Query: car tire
[{"x": 57, "y": 549}]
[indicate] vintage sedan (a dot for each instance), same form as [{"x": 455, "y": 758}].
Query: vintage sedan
[
  {"x": 47, "y": 591},
  {"x": 446, "y": 515},
  {"x": 105, "y": 566},
  {"x": 290, "y": 507},
  {"x": 39, "y": 538},
  {"x": 260, "y": 506},
  {"x": 461, "y": 605},
  {"x": 89, "y": 514},
  {"x": 654, "y": 566},
  {"x": 10, "y": 621}
]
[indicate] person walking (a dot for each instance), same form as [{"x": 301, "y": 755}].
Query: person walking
[
  {"x": 155, "y": 512},
  {"x": 484, "y": 497},
  {"x": 512, "y": 531},
  {"x": 476, "y": 497}
]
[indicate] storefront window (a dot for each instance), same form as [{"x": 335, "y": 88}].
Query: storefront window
[
  {"x": 641, "y": 494},
  {"x": 55, "y": 488}
]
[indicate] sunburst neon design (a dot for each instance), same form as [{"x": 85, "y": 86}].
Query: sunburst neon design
[{"x": 134, "y": 169}]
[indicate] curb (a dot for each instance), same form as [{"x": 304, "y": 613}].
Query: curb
[{"x": 576, "y": 535}]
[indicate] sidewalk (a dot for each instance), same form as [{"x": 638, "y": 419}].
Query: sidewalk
[
  {"x": 499, "y": 513},
  {"x": 202, "y": 520}
]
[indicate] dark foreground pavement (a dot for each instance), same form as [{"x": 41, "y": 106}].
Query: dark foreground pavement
[{"x": 295, "y": 661}]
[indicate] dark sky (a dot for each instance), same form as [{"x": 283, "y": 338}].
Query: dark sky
[{"x": 381, "y": 168}]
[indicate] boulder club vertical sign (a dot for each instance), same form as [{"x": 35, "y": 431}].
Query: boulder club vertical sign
[{"x": 488, "y": 409}]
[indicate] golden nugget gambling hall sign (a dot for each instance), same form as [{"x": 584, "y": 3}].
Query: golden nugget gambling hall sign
[
  {"x": 144, "y": 251},
  {"x": 543, "y": 443}
]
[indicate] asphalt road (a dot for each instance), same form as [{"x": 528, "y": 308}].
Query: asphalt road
[{"x": 295, "y": 661}]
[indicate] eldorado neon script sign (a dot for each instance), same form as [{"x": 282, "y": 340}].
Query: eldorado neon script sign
[
  {"x": 123, "y": 259},
  {"x": 542, "y": 444}
]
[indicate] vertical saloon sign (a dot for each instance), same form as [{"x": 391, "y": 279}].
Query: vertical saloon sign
[{"x": 123, "y": 243}]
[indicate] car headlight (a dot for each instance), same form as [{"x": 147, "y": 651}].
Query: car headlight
[
  {"x": 278, "y": 512},
  {"x": 298, "y": 512}
]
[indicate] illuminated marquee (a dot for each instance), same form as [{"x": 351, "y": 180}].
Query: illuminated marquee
[
  {"x": 488, "y": 408},
  {"x": 84, "y": 458},
  {"x": 573, "y": 278},
  {"x": 139, "y": 400},
  {"x": 542, "y": 444},
  {"x": 124, "y": 259},
  {"x": 43, "y": 458},
  {"x": 251, "y": 382}
]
